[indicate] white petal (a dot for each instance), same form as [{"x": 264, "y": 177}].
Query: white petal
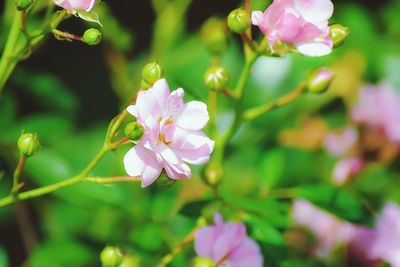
[
  {"x": 133, "y": 110},
  {"x": 315, "y": 49},
  {"x": 257, "y": 17},
  {"x": 315, "y": 11},
  {"x": 193, "y": 116}
]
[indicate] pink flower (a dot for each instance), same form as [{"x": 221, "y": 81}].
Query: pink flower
[
  {"x": 379, "y": 107},
  {"x": 329, "y": 230},
  {"x": 227, "y": 244},
  {"x": 172, "y": 135},
  {"x": 301, "y": 23},
  {"x": 72, "y": 5},
  {"x": 339, "y": 144},
  {"x": 345, "y": 169},
  {"x": 387, "y": 243}
]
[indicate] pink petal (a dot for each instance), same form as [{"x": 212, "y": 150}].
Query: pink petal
[
  {"x": 246, "y": 254},
  {"x": 193, "y": 116},
  {"x": 175, "y": 167},
  {"x": 152, "y": 102},
  {"x": 140, "y": 161},
  {"x": 314, "y": 11},
  {"x": 231, "y": 237},
  {"x": 346, "y": 169},
  {"x": 203, "y": 241}
]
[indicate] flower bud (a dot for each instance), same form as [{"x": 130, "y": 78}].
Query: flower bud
[
  {"x": 23, "y": 5},
  {"x": 212, "y": 174},
  {"x": 204, "y": 262},
  {"x": 129, "y": 261},
  {"x": 145, "y": 85},
  {"x": 92, "y": 36},
  {"x": 216, "y": 78},
  {"x": 164, "y": 181},
  {"x": 152, "y": 72},
  {"x": 134, "y": 131},
  {"x": 239, "y": 20},
  {"x": 214, "y": 35},
  {"x": 319, "y": 80},
  {"x": 338, "y": 34},
  {"x": 111, "y": 256},
  {"x": 28, "y": 144}
]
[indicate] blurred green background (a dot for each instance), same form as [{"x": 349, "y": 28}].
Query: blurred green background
[{"x": 68, "y": 92}]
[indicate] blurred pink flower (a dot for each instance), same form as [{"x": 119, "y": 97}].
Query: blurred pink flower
[
  {"x": 302, "y": 23},
  {"x": 172, "y": 135},
  {"x": 71, "y": 5},
  {"x": 227, "y": 244},
  {"x": 329, "y": 230},
  {"x": 387, "y": 243},
  {"x": 379, "y": 107},
  {"x": 345, "y": 169},
  {"x": 339, "y": 144}
]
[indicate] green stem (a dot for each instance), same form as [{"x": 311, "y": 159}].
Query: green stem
[
  {"x": 212, "y": 108},
  {"x": 239, "y": 90},
  {"x": 54, "y": 187},
  {"x": 7, "y": 56},
  {"x": 17, "y": 174},
  {"x": 254, "y": 113}
]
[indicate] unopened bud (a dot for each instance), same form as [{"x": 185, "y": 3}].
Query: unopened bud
[
  {"x": 92, "y": 36},
  {"x": 23, "y": 5},
  {"x": 28, "y": 144},
  {"x": 214, "y": 35},
  {"x": 129, "y": 261},
  {"x": 134, "y": 131},
  {"x": 216, "y": 78},
  {"x": 152, "y": 72},
  {"x": 338, "y": 34},
  {"x": 239, "y": 20},
  {"x": 213, "y": 174},
  {"x": 318, "y": 81},
  {"x": 204, "y": 262},
  {"x": 164, "y": 181},
  {"x": 111, "y": 257}
]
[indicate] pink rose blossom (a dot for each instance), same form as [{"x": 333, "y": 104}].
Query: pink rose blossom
[
  {"x": 387, "y": 243},
  {"x": 301, "y": 23},
  {"x": 330, "y": 231},
  {"x": 345, "y": 169},
  {"x": 339, "y": 144},
  {"x": 172, "y": 135},
  {"x": 379, "y": 107},
  {"x": 227, "y": 244},
  {"x": 72, "y": 5}
]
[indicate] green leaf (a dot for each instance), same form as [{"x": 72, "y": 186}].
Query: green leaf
[
  {"x": 60, "y": 253},
  {"x": 336, "y": 201},
  {"x": 193, "y": 209},
  {"x": 263, "y": 231},
  {"x": 272, "y": 166},
  {"x": 3, "y": 258},
  {"x": 147, "y": 236},
  {"x": 89, "y": 16}
]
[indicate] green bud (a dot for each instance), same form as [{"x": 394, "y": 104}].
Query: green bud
[
  {"x": 152, "y": 72},
  {"x": 338, "y": 34},
  {"x": 164, "y": 181},
  {"x": 239, "y": 20},
  {"x": 28, "y": 144},
  {"x": 92, "y": 36},
  {"x": 134, "y": 131},
  {"x": 319, "y": 80},
  {"x": 129, "y": 261},
  {"x": 145, "y": 85},
  {"x": 203, "y": 262},
  {"x": 214, "y": 35},
  {"x": 213, "y": 174},
  {"x": 23, "y": 5},
  {"x": 111, "y": 256},
  {"x": 216, "y": 78}
]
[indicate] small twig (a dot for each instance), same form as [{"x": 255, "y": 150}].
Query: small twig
[
  {"x": 177, "y": 249},
  {"x": 109, "y": 180},
  {"x": 17, "y": 173}
]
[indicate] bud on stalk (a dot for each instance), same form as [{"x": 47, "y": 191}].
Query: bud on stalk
[
  {"x": 92, "y": 36},
  {"x": 111, "y": 257},
  {"x": 239, "y": 20},
  {"x": 216, "y": 78},
  {"x": 318, "y": 81},
  {"x": 338, "y": 34},
  {"x": 151, "y": 73},
  {"x": 28, "y": 144}
]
